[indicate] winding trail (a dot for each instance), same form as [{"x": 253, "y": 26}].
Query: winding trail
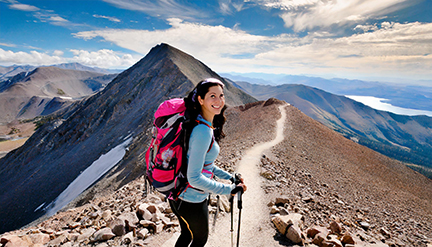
[{"x": 256, "y": 227}]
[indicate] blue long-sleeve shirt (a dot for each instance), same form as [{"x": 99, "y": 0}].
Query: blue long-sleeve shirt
[{"x": 201, "y": 166}]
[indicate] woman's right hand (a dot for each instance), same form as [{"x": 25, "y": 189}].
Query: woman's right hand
[{"x": 240, "y": 187}]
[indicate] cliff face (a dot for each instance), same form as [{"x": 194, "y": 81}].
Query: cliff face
[{"x": 59, "y": 151}]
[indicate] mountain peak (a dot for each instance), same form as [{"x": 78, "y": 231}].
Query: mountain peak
[{"x": 92, "y": 127}]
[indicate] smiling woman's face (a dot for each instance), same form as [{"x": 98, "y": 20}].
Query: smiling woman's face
[{"x": 213, "y": 102}]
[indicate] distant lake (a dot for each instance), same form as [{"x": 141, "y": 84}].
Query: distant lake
[{"x": 380, "y": 104}]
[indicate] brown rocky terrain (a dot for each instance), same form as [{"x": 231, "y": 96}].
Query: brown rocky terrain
[{"x": 315, "y": 173}]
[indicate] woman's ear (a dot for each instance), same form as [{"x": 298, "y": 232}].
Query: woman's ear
[{"x": 200, "y": 100}]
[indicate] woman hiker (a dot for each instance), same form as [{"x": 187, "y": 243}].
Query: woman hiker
[{"x": 206, "y": 106}]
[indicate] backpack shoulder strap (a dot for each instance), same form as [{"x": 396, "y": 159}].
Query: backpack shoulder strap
[{"x": 211, "y": 127}]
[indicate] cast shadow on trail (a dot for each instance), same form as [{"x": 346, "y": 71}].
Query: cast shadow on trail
[{"x": 283, "y": 241}]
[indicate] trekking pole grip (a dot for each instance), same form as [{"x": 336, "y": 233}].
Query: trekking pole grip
[
  {"x": 239, "y": 199},
  {"x": 237, "y": 178}
]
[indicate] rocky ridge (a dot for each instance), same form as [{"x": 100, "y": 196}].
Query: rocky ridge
[
  {"x": 321, "y": 205},
  {"x": 327, "y": 178}
]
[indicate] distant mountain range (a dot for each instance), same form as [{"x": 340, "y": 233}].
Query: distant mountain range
[
  {"x": 44, "y": 90},
  {"x": 413, "y": 97},
  {"x": 11, "y": 71},
  {"x": 37, "y": 172},
  {"x": 406, "y": 138}
]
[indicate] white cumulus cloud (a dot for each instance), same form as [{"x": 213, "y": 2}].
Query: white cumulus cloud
[
  {"x": 32, "y": 57},
  {"x": 102, "y": 58},
  {"x": 392, "y": 49},
  {"x": 309, "y": 14}
]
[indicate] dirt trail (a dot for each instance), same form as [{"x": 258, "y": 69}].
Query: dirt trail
[{"x": 256, "y": 227}]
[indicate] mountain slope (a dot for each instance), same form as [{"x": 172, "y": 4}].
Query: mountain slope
[
  {"x": 25, "y": 95},
  {"x": 317, "y": 172},
  {"x": 59, "y": 151},
  {"x": 408, "y": 138},
  {"x": 350, "y": 183}
]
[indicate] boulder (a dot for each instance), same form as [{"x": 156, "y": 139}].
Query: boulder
[
  {"x": 385, "y": 233},
  {"x": 153, "y": 209},
  {"x": 283, "y": 211},
  {"x": 14, "y": 241},
  {"x": 143, "y": 233},
  {"x": 333, "y": 241},
  {"x": 347, "y": 239},
  {"x": 153, "y": 198},
  {"x": 335, "y": 228},
  {"x": 39, "y": 238},
  {"x": 131, "y": 220},
  {"x": 117, "y": 227},
  {"x": 85, "y": 234},
  {"x": 142, "y": 208},
  {"x": 364, "y": 225},
  {"x": 313, "y": 231},
  {"x": 149, "y": 224},
  {"x": 280, "y": 201},
  {"x": 106, "y": 215},
  {"x": 294, "y": 234},
  {"x": 128, "y": 238},
  {"x": 283, "y": 222},
  {"x": 319, "y": 238},
  {"x": 274, "y": 210},
  {"x": 103, "y": 234}
]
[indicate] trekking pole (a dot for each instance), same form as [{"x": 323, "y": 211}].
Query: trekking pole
[
  {"x": 231, "y": 200},
  {"x": 237, "y": 180},
  {"x": 217, "y": 212},
  {"x": 240, "y": 206}
]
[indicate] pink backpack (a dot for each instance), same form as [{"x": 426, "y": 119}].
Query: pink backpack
[{"x": 166, "y": 155}]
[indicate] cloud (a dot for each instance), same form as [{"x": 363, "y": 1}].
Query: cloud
[
  {"x": 287, "y": 5},
  {"x": 310, "y": 14},
  {"x": 163, "y": 9},
  {"x": 228, "y": 7},
  {"x": 58, "y": 53},
  {"x": 202, "y": 39},
  {"x": 23, "y": 7},
  {"x": 393, "y": 49},
  {"x": 102, "y": 58},
  {"x": 7, "y": 45},
  {"x": 32, "y": 57},
  {"x": 388, "y": 48},
  {"x": 113, "y": 19},
  {"x": 42, "y": 14}
]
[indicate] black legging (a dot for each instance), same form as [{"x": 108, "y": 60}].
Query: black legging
[{"x": 193, "y": 218}]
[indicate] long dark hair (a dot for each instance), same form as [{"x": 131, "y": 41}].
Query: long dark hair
[{"x": 193, "y": 107}]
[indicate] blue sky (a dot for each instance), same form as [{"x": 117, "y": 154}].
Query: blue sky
[{"x": 388, "y": 40}]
